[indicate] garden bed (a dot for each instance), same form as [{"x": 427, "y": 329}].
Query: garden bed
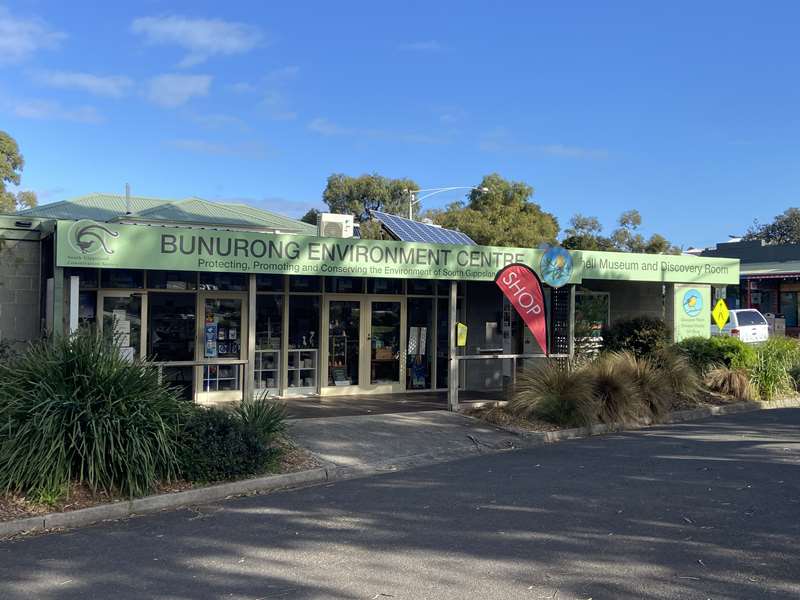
[
  {"x": 499, "y": 416},
  {"x": 292, "y": 459}
]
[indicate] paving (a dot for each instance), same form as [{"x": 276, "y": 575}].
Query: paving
[
  {"x": 379, "y": 404},
  {"x": 387, "y": 440},
  {"x": 698, "y": 510}
]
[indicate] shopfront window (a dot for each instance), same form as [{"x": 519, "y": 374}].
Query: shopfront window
[
  {"x": 344, "y": 285},
  {"x": 269, "y": 283},
  {"x": 122, "y": 319},
  {"x": 232, "y": 282},
  {"x": 420, "y": 287},
  {"x": 122, "y": 278},
  {"x": 172, "y": 280},
  {"x": 269, "y": 325},
  {"x": 443, "y": 339},
  {"x": 171, "y": 326},
  {"x": 87, "y": 308},
  {"x": 87, "y": 278},
  {"x": 420, "y": 343},
  {"x": 789, "y": 307},
  {"x": 302, "y": 355},
  {"x": 222, "y": 336},
  {"x": 305, "y": 283},
  {"x": 384, "y": 286},
  {"x": 181, "y": 378}
]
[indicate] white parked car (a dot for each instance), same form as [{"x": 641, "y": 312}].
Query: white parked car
[{"x": 747, "y": 324}]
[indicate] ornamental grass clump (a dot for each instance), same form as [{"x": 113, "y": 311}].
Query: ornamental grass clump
[
  {"x": 771, "y": 373},
  {"x": 618, "y": 388},
  {"x": 731, "y": 382},
  {"x": 615, "y": 387},
  {"x": 684, "y": 380},
  {"x": 73, "y": 409},
  {"x": 559, "y": 394}
]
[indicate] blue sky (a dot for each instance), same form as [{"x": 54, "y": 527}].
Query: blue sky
[{"x": 687, "y": 111}]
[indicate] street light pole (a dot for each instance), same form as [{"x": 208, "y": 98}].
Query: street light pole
[{"x": 413, "y": 199}]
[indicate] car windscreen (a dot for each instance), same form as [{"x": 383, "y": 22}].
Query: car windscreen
[{"x": 750, "y": 317}]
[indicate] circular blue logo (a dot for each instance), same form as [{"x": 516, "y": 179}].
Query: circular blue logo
[
  {"x": 556, "y": 266},
  {"x": 692, "y": 302}
]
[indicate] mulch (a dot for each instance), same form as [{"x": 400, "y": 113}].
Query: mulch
[{"x": 16, "y": 506}]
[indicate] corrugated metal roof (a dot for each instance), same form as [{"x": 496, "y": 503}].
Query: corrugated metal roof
[
  {"x": 111, "y": 207},
  {"x": 261, "y": 214},
  {"x": 769, "y": 268},
  {"x": 98, "y": 207}
]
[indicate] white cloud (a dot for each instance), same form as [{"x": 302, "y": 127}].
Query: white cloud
[
  {"x": 45, "y": 110},
  {"x": 283, "y": 74},
  {"x": 112, "y": 86},
  {"x": 172, "y": 90},
  {"x": 202, "y": 38},
  {"x": 323, "y": 126},
  {"x": 421, "y": 46},
  {"x": 242, "y": 87},
  {"x": 220, "y": 121},
  {"x": 22, "y": 37},
  {"x": 501, "y": 141},
  {"x": 276, "y": 106},
  {"x": 198, "y": 146}
]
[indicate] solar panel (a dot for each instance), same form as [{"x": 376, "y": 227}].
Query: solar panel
[{"x": 407, "y": 230}]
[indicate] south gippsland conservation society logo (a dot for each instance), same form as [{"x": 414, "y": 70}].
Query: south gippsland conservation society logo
[
  {"x": 89, "y": 237},
  {"x": 692, "y": 302},
  {"x": 556, "y": 266}
]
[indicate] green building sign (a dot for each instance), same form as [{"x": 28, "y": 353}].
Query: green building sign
[{"x": 112, "y": 246}]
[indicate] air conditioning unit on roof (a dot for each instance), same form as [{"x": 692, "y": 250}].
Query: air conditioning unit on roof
[{"x": 334, "y": 225}]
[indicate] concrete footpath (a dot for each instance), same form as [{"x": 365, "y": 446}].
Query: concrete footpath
[
  {"x": 691, "y": 511},
  {"x": 388, "y": 442}
]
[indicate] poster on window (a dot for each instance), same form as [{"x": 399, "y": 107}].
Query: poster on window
[{"x": 210, "y": 340}]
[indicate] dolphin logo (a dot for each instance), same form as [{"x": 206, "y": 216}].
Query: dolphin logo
[{"x": 89, "y": 237}]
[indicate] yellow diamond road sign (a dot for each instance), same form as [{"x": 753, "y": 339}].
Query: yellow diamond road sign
[{"x": 720, "y": 313}]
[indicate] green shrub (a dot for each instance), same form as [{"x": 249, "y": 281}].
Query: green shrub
[
  {"x": 776, "y": 358},
  {"x": 731, "y": 382},
  {"x": 218, "y": 444},
  {"x": 724, "y": 351},
  {"x": 558, "y": 394},
  {"x": 643, "y": 336},
  {"x": 73, "y": 409}
]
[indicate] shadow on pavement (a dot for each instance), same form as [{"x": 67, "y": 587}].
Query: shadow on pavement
[{"x": 701, "y": 510}]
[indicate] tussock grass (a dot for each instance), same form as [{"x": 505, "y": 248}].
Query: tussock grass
[{"x": 73, "y": 409}]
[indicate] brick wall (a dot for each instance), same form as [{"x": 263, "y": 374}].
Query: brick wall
[{"x": 19, "y": 287}]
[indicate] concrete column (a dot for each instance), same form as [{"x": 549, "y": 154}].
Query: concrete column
[{"x": 452, "y": 379}]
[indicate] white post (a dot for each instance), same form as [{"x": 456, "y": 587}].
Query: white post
[
  {"x": 410, "y": 206},
  {"x": 74, "y": 303},
  {"x": 452, "y": 379},
  {"x": 248, "y": 389}
]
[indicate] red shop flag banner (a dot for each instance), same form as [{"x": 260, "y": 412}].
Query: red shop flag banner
[{"x": 522, "y": 288}]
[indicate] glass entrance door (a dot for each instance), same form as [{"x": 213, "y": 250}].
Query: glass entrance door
[
  {"x": 223, "y": 337},
  {"x": 344, "y": 342},
  {"x": 364, "y": 344},
  {"x": 122, "y": 316},
  {"x": 385, "y": 343}
]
